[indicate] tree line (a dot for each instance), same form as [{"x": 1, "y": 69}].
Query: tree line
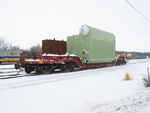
[{"x": 4, "y": 45}]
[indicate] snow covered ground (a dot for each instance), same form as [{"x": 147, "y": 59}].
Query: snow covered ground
[{"x": 101, "y": 90}]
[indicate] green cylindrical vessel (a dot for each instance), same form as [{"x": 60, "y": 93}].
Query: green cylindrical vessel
[{"x": 94, "y": 45}]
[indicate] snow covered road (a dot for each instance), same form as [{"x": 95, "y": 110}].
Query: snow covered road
[{"x": 89, "y": 91}]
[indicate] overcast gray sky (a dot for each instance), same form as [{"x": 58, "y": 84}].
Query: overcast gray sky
[{"x": 27, "y": 22}]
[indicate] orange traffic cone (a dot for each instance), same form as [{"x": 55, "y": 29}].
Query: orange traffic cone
[{"x": 127, "y": 77}]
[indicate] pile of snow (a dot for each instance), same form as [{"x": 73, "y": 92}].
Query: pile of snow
[
  {"x": 32, "y": 60},
  {"x": 139, "y": 61},
  {"x": 101, "y": 90},
  {"x": 67, "y": 54}
]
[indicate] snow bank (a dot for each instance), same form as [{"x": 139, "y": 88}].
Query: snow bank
[
  {"x": 67, "y": 54},
  {"x": 89, "y": 91}
]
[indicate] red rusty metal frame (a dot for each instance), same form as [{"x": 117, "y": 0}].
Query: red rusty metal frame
[{"x": 63, "y": 59}]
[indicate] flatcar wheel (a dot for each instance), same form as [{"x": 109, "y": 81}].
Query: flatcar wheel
[
  {"x": 63, "y": 68},
  {"x": 71, "y": 67},
  {"x": 38, "y": 70},
  {"x": 27, "y": 70},
  {"x": 52, "y": 69}
]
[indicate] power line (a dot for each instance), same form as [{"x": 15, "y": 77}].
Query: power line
[{"x": 147, "y": 19}]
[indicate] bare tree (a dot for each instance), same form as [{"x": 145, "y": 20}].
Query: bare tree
[
  {"x": 7, "y": 46},
  {"x": 11, "y": 47},
  {"x": 3, "y": 44},
  {"x": 36, "y": 48}
]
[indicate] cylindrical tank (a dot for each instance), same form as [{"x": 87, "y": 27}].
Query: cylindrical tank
[{"x": 94, "y": 45}]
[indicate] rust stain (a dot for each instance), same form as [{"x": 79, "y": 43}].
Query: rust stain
[{"x": 54, "y": 47}]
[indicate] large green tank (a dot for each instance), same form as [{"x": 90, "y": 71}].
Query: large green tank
[{"x": 92, "y": 45}]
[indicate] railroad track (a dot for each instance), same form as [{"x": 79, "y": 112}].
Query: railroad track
[
  {"x": 5, "y": 68},
  {"x": 10, "y": 76},
  {"x": 10, "y": 72}
]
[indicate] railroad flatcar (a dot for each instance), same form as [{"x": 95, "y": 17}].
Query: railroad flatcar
[{"x": 92, "y": 48}]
